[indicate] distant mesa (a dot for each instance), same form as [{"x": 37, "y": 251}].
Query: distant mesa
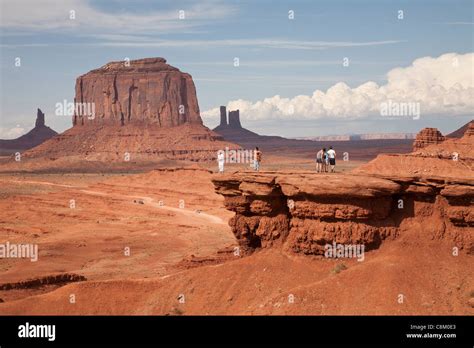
[
  {"x": 39, "y": 134},
  {"x": 367, "y": 136}
]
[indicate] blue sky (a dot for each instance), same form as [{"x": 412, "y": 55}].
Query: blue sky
[{"x": 278, "y": 56}]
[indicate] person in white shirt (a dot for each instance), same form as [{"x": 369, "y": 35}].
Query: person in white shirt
[
  {"x": 332, "y": 158},
  {"x": 220, "y": 161}
]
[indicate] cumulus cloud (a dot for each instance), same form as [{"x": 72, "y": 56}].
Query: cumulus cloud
[
  {"x": 441, "y": 85},
  {"x": 11, "y": 133}
]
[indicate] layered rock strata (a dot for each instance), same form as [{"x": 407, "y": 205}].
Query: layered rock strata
[
  {"x": 426, "y": 137},
  {"x": 302, "y": 212}
]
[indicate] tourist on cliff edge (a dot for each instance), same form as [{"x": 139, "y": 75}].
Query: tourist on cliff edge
[
  {"x": 325, "y": 164},
  {"x": 319, "y": 160},
  {"x": 220, "y": 161},
  {"x": 332, "y": 158},
  {"x": 257, "y": 159}
]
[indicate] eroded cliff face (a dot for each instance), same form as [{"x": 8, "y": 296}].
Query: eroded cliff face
[
  {"x": 302, "y": 212},
  {"x": 138, "y": 91}
]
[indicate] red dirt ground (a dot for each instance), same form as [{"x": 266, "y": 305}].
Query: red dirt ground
[{"x": 189, "y": 251}]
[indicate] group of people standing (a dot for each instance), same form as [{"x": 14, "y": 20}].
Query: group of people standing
[
  {"x": 257, "y": 159},
  {"x": 326, "y": 160}
]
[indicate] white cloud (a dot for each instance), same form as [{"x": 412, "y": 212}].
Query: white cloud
[
  {"x": 43, "y": 15},
  {"x": 11, "y": 133},
  {"x": 124, "y": 29},
  {"x": 259, "y": 43},
  {"x": 442, "y": 85}
]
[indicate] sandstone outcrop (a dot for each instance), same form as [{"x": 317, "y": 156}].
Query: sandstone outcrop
[
  {"x": 142, "y": 91},
  {"x": 426, "y": 137},
  {"x": 302, "y": 212}
]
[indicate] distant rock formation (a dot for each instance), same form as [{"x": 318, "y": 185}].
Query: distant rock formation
[
  {"x": 427, "y": 136},
  {"x": 377, "y": 136},
  {"x": 232, "y": 129},
  {"x": 359, "y": 148},
  {"x": 39, "y": 119},
  {"x": 234, "y": 119},
  {"x": 470, "y": 130},
  {"x": 144, "y": 110},
  {"x": 39, "y": 134},
  {"x": 459, "y": 133},
  {"x": 142, "y": 91},
  {"x": 367, "y": 136},
  {"x": 232, "y": 122},
  {"x": 331, "y": 138},
  {"x": 223, "y": 117}
]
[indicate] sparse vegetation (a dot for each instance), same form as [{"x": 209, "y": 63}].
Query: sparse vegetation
[{"x": 339, "y": 267}]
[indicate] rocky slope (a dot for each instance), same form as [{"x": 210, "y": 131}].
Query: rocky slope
[{"x": 459, "y": 133}]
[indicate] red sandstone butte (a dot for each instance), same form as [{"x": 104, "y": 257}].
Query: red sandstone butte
[
  {"x": 143, "y": 108},
  {"x": 138, "y": 91}
]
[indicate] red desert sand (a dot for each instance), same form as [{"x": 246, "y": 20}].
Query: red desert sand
[{"x": 188, "y": 241}]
